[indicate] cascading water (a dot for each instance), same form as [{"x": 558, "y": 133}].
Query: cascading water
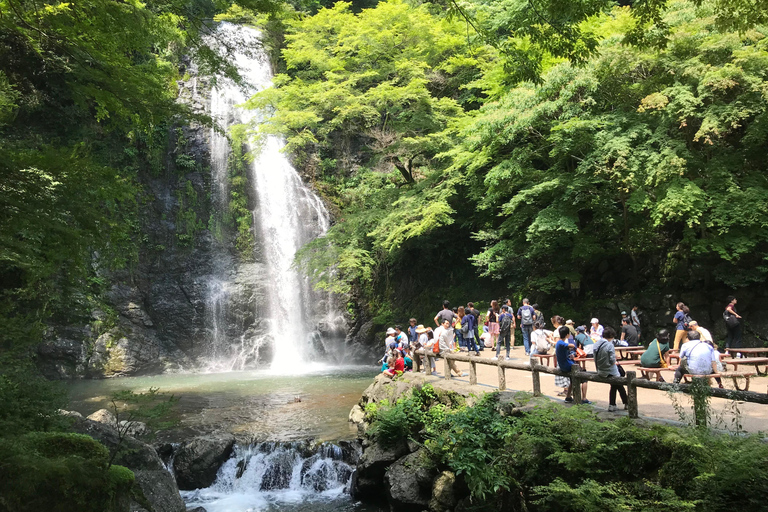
[
  {"x": 297, "y": 322},
  {"x": 281, "y": 476}
]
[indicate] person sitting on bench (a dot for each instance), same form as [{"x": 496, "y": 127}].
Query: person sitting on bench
[
  {"x": 697, "y": 358},
  {"x": 657, "y": 354}
]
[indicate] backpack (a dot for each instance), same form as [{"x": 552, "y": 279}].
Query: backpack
[
  {"x": 526, "y": 317},
  {"x": 505, "y": 323},
  {"x": 686, "y": 321},
  {"x": 465, "y": 328}
]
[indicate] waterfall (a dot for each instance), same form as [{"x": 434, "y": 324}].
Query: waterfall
[
  {"x": 298, "y": 324},
  {"x": 264, "y": 475}
]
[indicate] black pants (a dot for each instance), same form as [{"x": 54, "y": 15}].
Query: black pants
[
  {"x": 733, "y": 338},
  {"x": 618, "y": 387}
]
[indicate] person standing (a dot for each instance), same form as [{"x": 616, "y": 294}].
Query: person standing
[
  {"x": 444, "y": 314},
  {"x": 470, "y": 309},
  {"x": 732, "y": 324},
  {"x": 634, "y": 315},
  {"x": 506, "y": 331},
  {"x": 468, "y": 332},
  {"x": 457, "y": 323},
  {"x": 605, "y": 362},
  {"x": 680, "y": 324},
  {"x": 527, "y": 315},
  {"x": 628, "y": 332},
  {"x": 493, "y": 322},
  {"x": 413, "y": 336}
]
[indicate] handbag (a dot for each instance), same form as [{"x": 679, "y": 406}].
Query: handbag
[
  {"x": 436, "y": 347},
  {"x": 662, "y": 362},
  {"x": 580, "y": 352}
]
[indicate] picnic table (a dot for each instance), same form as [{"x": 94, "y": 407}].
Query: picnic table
[
  {"x": 675, "y": 354},
  {"x": 757, "y": 361},
  {"x": 647, "y": 372},
  {"x": 751, "y": 351},
  {"x": 628, "y": 362},
  {"x": 733, "y": 375},
  {"x": 629, "y": 352},
  {"x": 545, "y": 358}
]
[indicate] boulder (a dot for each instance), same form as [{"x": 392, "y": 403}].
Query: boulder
[
  {"x": 153, "y": 481},
  {"x": 105, "y": 417},
  {"x": 357, "y": 415},
  {"x": 408, "y": 482},
  {"x": 134, "y": 428},
  {"x": 367, "y": 478},
  {"x": 443, "y": 493},
  {"x": 197, "y": 461}
]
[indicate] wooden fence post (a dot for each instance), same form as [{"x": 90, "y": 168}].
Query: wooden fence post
[
  {"x": 502, "y": 378},
  {"x": 447, "y": 368},
  {"x": 576, "y": 384},
  {"x": 472, "y": 373},
  {"x": 631, "y": 395},
  {"x": 416, "y": 361},
  {"x": 536, "y": 381}
]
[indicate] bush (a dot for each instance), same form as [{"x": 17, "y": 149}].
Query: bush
[
  {"x": 61, "y": 472},
  {"x": 565, "y": 459}
]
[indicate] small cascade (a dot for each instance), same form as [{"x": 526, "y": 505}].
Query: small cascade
[{"x": 278, "y": 476}]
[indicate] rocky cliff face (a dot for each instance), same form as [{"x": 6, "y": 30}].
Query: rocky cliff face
[{"x": 159, "y": 314}]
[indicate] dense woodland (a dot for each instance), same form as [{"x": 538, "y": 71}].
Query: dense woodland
[{"x": 581, "y": 150}]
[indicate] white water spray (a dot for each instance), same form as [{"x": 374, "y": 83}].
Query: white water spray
[{"x": 287, "y": 215}]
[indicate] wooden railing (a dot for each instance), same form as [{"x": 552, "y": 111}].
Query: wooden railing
[{"x": 577, "y": 376}]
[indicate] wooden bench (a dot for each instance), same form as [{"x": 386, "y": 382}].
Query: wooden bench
[
  {"x": 629, "y": 352},
  {"x": 732, "y": 375},
  {"x": 629, "y": 362},
  {"x": 583, "y": 362},
  {"x": 757, "y": 361},
  {"x": 545, "y": 358},
  {"x": 647, "y": 372}
]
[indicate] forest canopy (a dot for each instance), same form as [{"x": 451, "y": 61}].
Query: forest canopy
[{"x": 625, "y": 152}]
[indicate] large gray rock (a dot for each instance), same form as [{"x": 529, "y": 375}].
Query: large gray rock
[
  {"x": 105, "y": 417},
  {"x": 152, "y": 479},
  {"x": 197, "y": 461},
  {"x": 409, "y": 482},
  {"x": 367, "y": 478},
  {"x": 443, "y": 493}
]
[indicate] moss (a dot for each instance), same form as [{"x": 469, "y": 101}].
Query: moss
[
  {"x": 62, "y": 472},
  {"x": 115, "y": 362}
]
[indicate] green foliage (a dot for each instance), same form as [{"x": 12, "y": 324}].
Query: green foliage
[
  {"x": 187, "y": 223},
  {"x": 238, "y": 214},
  {"x": 565, "y": 459},
  {"x": 29, "y": 402},
  {"x": 153, "y": 407},
  {"x": 63, "y": 472}
]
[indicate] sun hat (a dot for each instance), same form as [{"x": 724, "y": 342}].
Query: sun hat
[
  {"x": 623, "y": 313},
  {"x": 594, "y": 321},
  {"x": 390, "y": 331},
  {"x": 420, "y": 329},
  {"x": 569, "y": 322}
]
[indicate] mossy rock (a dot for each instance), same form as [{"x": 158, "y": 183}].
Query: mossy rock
[{"x": 62, "y": 472}]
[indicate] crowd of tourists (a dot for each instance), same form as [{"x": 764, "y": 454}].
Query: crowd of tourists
[{"x": 463, "y": 328}]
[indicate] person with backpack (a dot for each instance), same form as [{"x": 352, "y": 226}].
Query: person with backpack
[
  {"x": 527, "y": 315},
  {"x": 697, "y": 357},
  {"x": 605, "y": 362},
  {"x": 506, "y": 332},
  {"x": 657, "y": 353},
  {"x": 681, "y": 320},
  {"x": 732, "y": 324},
  {"x": 467, "y": 331}
]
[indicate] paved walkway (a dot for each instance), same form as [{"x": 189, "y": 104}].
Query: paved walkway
[{"x": 652, "y": 404}]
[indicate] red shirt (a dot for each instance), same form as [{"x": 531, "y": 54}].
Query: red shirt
[{"x": 399, "y": 364}]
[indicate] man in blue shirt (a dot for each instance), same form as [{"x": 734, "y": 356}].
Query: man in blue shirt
[
  {"x": 527, "y": 315},
  {"x": 563, "y": 355}
]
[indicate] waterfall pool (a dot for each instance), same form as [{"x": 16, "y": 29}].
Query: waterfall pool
[
  {"x": 271, "y": 469},
  {"x": 254, "y": 405}
]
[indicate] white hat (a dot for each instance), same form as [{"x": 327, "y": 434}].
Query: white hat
[
  {"x": 390, "y": 331},
  {"x": 569, "y": 322},
  {"x": 594, "y": 321}
]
